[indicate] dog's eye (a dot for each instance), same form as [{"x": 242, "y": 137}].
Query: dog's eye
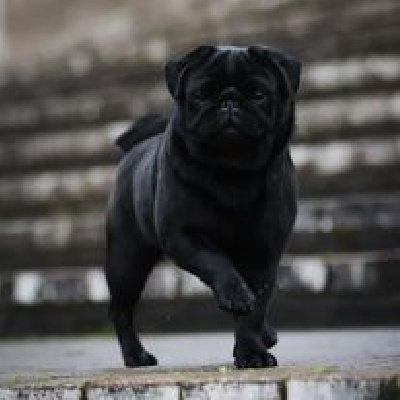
[
  {"x": 199, "y": 95},
  {"x": 258, "y": 95}
]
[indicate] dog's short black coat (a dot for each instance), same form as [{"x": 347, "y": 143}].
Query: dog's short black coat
[{"x": 214, "y": 191}]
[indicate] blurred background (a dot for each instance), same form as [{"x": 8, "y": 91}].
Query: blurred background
[{"x": 74, "y": 74}]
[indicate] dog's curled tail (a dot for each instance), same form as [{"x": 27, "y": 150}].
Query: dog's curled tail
[{"x": 144, "y": 128}]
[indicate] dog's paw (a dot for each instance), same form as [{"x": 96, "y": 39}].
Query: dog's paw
[
  {"x": 251, "y": 351},
  {"x": 142, "y": 359},
  {"x": 234, "y": 296},
  {"x": 255, "y": 359},
  {"x": 269, "y": 337}
]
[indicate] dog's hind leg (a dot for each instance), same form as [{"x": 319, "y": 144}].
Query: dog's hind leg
[{"x": 128, "y": 263}]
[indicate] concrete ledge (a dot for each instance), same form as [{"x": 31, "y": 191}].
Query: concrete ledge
[{"x": 222, "y": 382}]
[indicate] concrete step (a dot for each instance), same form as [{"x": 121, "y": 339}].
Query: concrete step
[
  {"x": 76, "y": 239},
  {"x": 303, "y": 309},
  {"x": 344, "y": 173},
  {"x": 312, "y": 146},
  {"x": 329, "y": 102},
  {"x": 215, "y": 384},
  {"x": 309, "y": 28}
]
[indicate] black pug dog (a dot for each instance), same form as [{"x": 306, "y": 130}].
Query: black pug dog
[{"x": 215, "y": 192}]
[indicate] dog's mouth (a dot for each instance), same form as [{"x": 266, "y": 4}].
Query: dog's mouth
[
  {"x": 234, "y": 128},
  {"x": 229, "y": 127}
]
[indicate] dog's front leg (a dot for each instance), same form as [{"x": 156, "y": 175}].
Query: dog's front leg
[
  {"x": 253, "y": 334},
  {"x": 216, "y": 270}
]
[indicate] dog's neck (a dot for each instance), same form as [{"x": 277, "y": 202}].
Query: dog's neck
[{"x": 230, "y": 187}]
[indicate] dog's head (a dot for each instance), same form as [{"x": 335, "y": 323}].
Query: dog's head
[{"x": 233, "y": 102}]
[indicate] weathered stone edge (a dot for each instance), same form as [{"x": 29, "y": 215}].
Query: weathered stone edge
[{"x": 279, "y": 384}]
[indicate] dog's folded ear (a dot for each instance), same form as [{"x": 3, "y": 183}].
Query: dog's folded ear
[
  {"x": 289, "y": 66},
  {"x": 175, "y": 70}
]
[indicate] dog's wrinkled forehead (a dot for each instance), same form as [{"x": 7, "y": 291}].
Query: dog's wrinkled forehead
[
  {"x": 229, "y": 62},
  {"x": 232, "y": 62}
]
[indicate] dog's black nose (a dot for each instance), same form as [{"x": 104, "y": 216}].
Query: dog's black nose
[
  {"x": 230, "y": 99},
  {"x": 229, "y": 105}
]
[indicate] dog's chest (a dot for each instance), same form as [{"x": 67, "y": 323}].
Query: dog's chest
[{"x": 261, "y": 227}]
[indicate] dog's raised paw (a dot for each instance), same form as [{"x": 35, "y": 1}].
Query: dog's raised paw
[{"x": 234, "y": 296}]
